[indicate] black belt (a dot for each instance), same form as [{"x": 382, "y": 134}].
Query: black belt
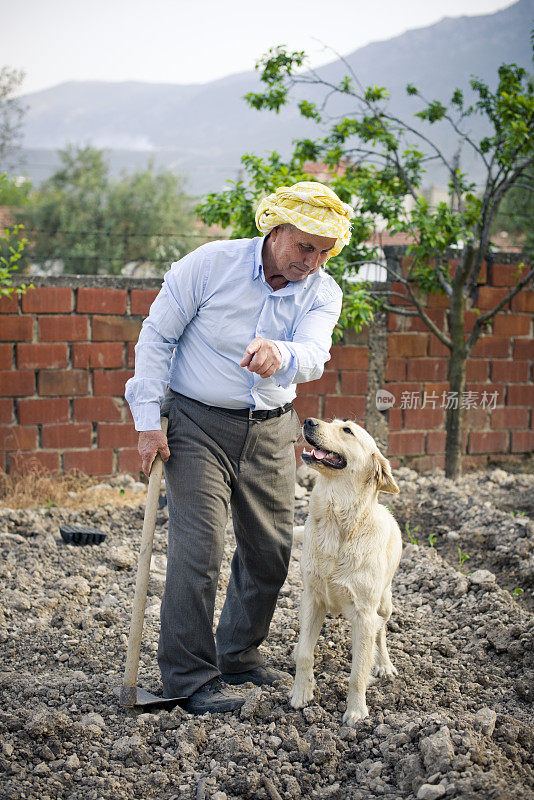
[{"x": 248, "y": 413}]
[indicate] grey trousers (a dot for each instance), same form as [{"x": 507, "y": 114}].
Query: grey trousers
[{"x": 218, "y": 459}]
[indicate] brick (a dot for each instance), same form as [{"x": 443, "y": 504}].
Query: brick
[
  {"x": 354, "y": 383},
  {"x": 396, "y": 369},
  {"x": 96, "y": 409},
  {"x": 508, "y": 418},
  {"x": 436, "y": 348},
  {"x": 89, "y": 354},
  {"x": 16, "y": 329},
  {"x": 512, "y": 324},
  {"x": 423, "y": 418},
  {"x": 115, "y": 329},
  {"x": 492, "y": 347},
  {"x": 6, "y": 411},
  {"x": 426, "y": 369},
  {"x": 399, "y": 287},
  {"x": 504, "y": 274},
  {"x": 22, "y": 463},
  {"x": 520, "y": 395},
  {"x": 91, "y": 300},
  {"x": 344, "y": 407},
  {"x": 306, "y": 406},
  {"x": 17, "y": 383},
  {"x": 476, "y": 419},
  {"x": 476, "y": 369},
  {"x": 470, "y": 317},
  {"x": 403, "y": 443},
  {"x": 397, "y": 388},
  {"x": 117, "y": 435},
  {"x": 349, "y": 357},
  {"x": 435, "y": 442},
  {"x": 18, "y": 437},
  {"x": 63, "y": 328},
  {"x": 524, "y": 348},
  {"x": 522, "y": 441},
  {"x": 42, "y": 356},
  {"x": 488, "y": 442},
  {"x": 523, "y": 301},
  {"x": 437, "y": 315},
  {"x": 510, "y": 371},
  {"x": 141, "y": 300},
  {"x": 327, "y": 384},
  {"x": 407, "y": 344},
  {"x": 90, "y": 462},
  {"x": 67, "y": 436},
  {"x": 351, "y": 337},
  {"x": 6, "y": 356},
  {"x": 63, "y": 383},
  {"x": 130, "y": 355},
  {"x": 437, "y": 300},
  {"x": 111, "y": 382},
  {"x": 9, "y": 304},
  {"x": 394, "y": 418},
  {"x": 48, "y": 300},
  {"x": 437, "y": 388},
  {"x": 129, "y": 461},
  {"x": 489, "y": 297},
  {"x": 38, "y": 410}
]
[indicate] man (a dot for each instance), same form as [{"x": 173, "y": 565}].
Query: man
[{"x": 236, "y": 325}]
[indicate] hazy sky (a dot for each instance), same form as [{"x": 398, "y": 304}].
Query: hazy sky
[{"x": 193, "y": 41}]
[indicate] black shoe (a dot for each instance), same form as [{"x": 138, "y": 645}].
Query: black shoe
[
  {"x": 261, "y": 676},
  {"x": 212, "y": 698}
]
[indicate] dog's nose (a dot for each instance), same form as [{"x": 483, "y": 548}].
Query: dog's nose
[{"x": 311, "y": 422}]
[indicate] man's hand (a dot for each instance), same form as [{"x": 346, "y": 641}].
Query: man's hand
[
  {"x": 151, "y": 443},
  {"x": 262, "y": 356}
]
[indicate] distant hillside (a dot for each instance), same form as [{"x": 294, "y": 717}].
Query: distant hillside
[{"x": 204, "y": 129}]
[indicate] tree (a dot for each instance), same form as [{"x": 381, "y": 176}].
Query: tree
[
  {"x": 11, "y": 113},
  {"x": 380, "y": 159},
  {"x": 12, "y": 245},
  {"x": 516, "y": 213},
  {"x": 93, "y": 224}
]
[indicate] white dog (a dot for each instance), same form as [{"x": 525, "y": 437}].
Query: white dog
[{"x": 352, "y": 547}]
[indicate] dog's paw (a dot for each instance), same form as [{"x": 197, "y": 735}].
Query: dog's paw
[
  {"x": 301, "y": 694},
  {"x": 384, "y": 670},
  {"x": 354, "y": 715}
]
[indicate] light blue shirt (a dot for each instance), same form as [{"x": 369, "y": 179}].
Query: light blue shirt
[{"x": 212, "y": 304}]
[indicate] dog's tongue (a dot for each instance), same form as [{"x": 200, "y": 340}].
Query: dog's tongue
[{"x": 320, "y": 454}]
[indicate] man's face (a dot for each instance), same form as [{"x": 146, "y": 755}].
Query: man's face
[{"x": 297, "y": 254}]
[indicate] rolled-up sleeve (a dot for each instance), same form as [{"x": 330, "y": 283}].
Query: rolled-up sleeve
[
  {"x": 174, "y": 307},
  {"x": 304, "y": 357}
]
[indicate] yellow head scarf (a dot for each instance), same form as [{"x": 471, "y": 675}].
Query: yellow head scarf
[{"x": 312, "y": 207}]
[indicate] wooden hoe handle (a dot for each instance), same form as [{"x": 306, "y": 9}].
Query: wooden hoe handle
[{"x": 128, "y": 692}]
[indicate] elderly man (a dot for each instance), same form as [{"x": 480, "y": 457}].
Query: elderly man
[{"x": 236, "y": 325}]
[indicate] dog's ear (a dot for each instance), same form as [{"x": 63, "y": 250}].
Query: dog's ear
[{"x": 382, "y": 474}]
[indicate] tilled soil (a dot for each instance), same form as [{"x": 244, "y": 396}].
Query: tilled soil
[{"x": 457, "y": 721}]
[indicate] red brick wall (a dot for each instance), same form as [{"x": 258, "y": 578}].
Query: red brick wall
[
  {"x": 66, "y": 352},
  {"x": 65, "y": 355}
]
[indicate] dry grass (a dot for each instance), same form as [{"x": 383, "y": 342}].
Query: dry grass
[{"x": 37, "y": 487}]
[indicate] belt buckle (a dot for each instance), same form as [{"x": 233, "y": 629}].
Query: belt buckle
[{"x": 250, "y": 414}]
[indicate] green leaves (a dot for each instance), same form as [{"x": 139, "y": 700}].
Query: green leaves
[{"x": 433, "y": 112}]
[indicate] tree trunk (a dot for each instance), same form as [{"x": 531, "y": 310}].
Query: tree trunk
[{"x": 457, "y": 369}]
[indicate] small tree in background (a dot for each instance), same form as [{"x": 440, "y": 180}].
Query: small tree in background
[
  {"x": 12, "y": 242},
  {"x": 93, "y": 224},
  {"x": 11, "y": 114},
  {"x": 379, "y": 159}
]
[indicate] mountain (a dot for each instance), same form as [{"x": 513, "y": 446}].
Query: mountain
[{"x": 203, "y": 129}]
